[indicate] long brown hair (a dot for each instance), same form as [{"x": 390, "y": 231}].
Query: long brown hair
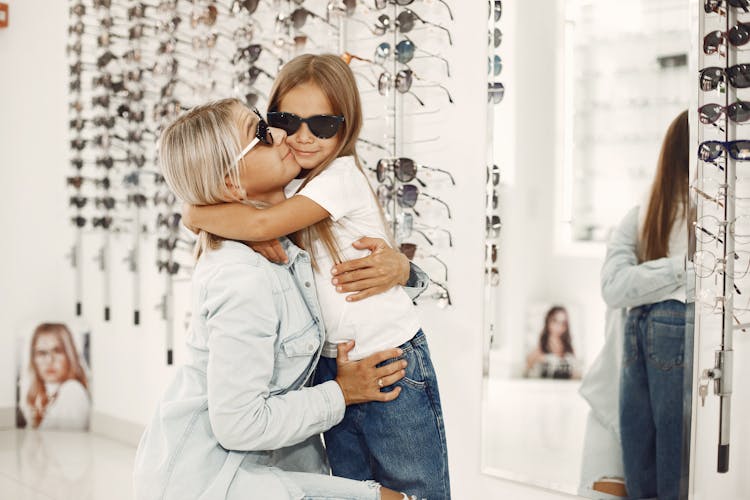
[
  {"x": 565, "y": 338},
  {"x": 336, "y": 80},
  {"x": 37, "y": 397},
  {"x": 669, "y": 193}
]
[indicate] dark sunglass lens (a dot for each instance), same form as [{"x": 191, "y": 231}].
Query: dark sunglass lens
[
  {"x": 408, "y": 249},
  {"x": 498, "y": 37},
  {"x": 739, "y": 35},
  {"x": 711, "y": 6},
  {"x": 287, "y": 122},
  {"x": 407, "y": 195},
  {"x": 299, "y": 17},
  {"x": 406, "y": 169},
  {"x": 739, "y": 75},
  {"x": 380, "y": 4},
  {"x": 709, "y": 113},
  {"x": 739, "y": 111},
  {"x": 740, "y": 150},
  {"x": 405, "y": 21},
  {"x": 405, "y": 51},
  {"x": 384, "y": 83},
  {"x": 497, "y": 65},
  {"x": 495, "y": 92},
  {"x": 712, "y": 41},
  {"x": 498, "y": 10},
  {"x": 324, "y": 127},
  {"x": 710, "y": 150},
  {"x": 710, "y": 78},
  {"x": 403, "y": 81}
]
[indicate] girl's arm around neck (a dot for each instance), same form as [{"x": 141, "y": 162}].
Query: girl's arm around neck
[{"x": 238, "y": 221}]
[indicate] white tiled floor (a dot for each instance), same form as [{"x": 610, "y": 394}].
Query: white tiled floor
[{"x": 50, "y": 465}]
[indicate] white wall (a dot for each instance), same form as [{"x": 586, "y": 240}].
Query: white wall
[{"x": 128, "y": 362}]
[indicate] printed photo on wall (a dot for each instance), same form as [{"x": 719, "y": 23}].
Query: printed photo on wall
[
  {"x": 53, "y": 377},
  {"x": 550, "y": 349}
]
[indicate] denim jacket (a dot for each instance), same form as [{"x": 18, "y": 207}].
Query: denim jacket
[
  {"x": 625, "y": 284},
  {"x": 243, "y": 399}
]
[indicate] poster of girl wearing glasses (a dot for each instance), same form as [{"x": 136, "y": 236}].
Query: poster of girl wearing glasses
[
  {"x": 553, "y": 355},
  {"x": 53, "y": 378}
]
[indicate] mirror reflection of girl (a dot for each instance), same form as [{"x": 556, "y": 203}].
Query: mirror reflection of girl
[
  {"x": 651, "y": 384},
  {"x": 58, "y": 396},
  {"x": 554, "y": 357},
  {"x": 401, "y": 443}
]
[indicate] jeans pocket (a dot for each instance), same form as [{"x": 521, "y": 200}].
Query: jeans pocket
[
  {"x": 415, "y": 377},
  {"x": 666, "y": 344}
]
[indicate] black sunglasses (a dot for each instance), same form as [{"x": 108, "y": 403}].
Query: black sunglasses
[
  {"x": 738, "y": 76},
  {"x": 715, "y": 5},
  {"x": 404, "y": 23},
  {"x": 738, "y": 36},
  {"x": 713, "y": 150},
  {"x": 405, "y": 169},
  {"x": 382, "y": 4},
  {"x": 737, "y": 112},
  {"x": 322, "y": 126}
]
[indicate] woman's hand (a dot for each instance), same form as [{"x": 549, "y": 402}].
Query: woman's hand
[
  {"x": 380, "y": 271},
  {"x": 271, "y": 250},
  {"x": 361, "y": 381}
]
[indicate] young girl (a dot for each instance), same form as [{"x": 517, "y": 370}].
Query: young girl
[{"x": 402, "y": 443}]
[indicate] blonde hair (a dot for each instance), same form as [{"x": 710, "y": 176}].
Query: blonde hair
[
  {"x": 197, "y": 154},
  {"x": 37, "y": 397},
  {"x": 336, "y": 80}
]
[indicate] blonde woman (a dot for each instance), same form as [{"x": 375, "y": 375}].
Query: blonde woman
[
  {"x": 242, "y": 418},
  {"x": 57, "y": 397}
]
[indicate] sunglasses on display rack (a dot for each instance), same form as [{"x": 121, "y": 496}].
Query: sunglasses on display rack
[
  {"x": 404, "y": 53},
  {"x": 138, "y": 199},
  {"x": 168, "y": 266},
  {"x": 170, "y": 221},
  {"x": 168, "y": 198},
  {"x": 382, "y": 4},
  {"x": 495, "y": 37},
  {"x": 321, "y": 126},
  {"x": 404, "y": 23},
  {"x": 298, "y": 18},
  {"x": 248, "y": 54},
  {"x": 715, "y": 41},
  {"x": 405, "y": 169},
  {"x": 495, "y": 92},
  {"x": 206, "y": 17},
  {"x": 410, "y": 250},
  {"x": 493, "y": 225},
  {"x": 78, "y": 201},
  {"x": 498, "y": 9},
  {"x": 737, "y": 75},
  {"x": 407, "y": 196},
  {"x": 104, "y": 222},
  {"x": 713, "y": 150},
  {"x": 346, "y": 7},
  {"x": 715, "y": 5},
  {"x": 406, "y": 227},
  {"x": 402, "y": 82},
  {"x": 494, "y": 65},
  {"x": 171, "y": 243},
  {"x": 738, "y": 112},
  {"x": 249, "y": 6},
  {"x": 105, "y": 202},
  {"x": 493, "y": 172}
]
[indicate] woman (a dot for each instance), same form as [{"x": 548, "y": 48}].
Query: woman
[
  {"x": 554, "y": 357},
  {"x": 57, "y": 397},
  {"x": 651, "y": 384},
  {"x": 241, "y": 418}
]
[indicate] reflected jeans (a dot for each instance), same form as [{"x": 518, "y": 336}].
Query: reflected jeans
[
  {"x": 651, "y": 393},
  {"x": 400, "y": 444}
]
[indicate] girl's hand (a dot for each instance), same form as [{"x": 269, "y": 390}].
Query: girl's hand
[
  {"x": 380, "y": 271},
  {"x": 361, "y": 381},
  {"x": 271, "y": 250}
]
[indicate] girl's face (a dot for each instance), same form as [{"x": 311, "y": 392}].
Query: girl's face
[
  {"x": 50, "y": 359},
  {"x": 308, "y": 100},
  {"x": 265, "y": 169},
  {"x": 558, "y": 324}
]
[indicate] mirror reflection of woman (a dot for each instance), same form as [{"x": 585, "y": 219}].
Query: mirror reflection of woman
[
  {"x": 58, "y": 392},
  {"x": 554, "y": 357}
]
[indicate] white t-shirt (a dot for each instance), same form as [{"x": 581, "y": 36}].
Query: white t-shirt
[
  {"x": 69, "y": 410},
  {"x": 379, "y": 322}
]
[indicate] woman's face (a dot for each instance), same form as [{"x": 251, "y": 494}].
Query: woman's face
[
  {"x": 308, "y": 100},
  {"x": 265, "y": 169},
  {"x": 558, "y": 324},
  {"x": 50, "y": 359}
]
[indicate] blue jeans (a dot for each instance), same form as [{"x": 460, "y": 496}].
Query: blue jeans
[
  {"x": 651, "y": 394},
  {"x": 401, "y": 443}
]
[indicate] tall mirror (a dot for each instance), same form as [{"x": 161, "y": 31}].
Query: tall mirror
[{"x": 591, "y": 90}]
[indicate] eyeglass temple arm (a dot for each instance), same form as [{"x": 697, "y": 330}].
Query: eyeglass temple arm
[
  {"x": 453, "y": 181},
  {"x": 445, "y": 266},
  {"x": 439, "y": 201},
  {"x": 428, "y": 240},
  {"x": 450, "y": 38},
  {"x": 450, "y": 13},
  {"x": 444, "y": 288},
  {"x": 421, "y": 103}
]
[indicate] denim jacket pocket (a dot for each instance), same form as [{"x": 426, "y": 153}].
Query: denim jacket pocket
[
  {"x": 294, "y": 355},
  {"x": 666, "y": 344}
]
